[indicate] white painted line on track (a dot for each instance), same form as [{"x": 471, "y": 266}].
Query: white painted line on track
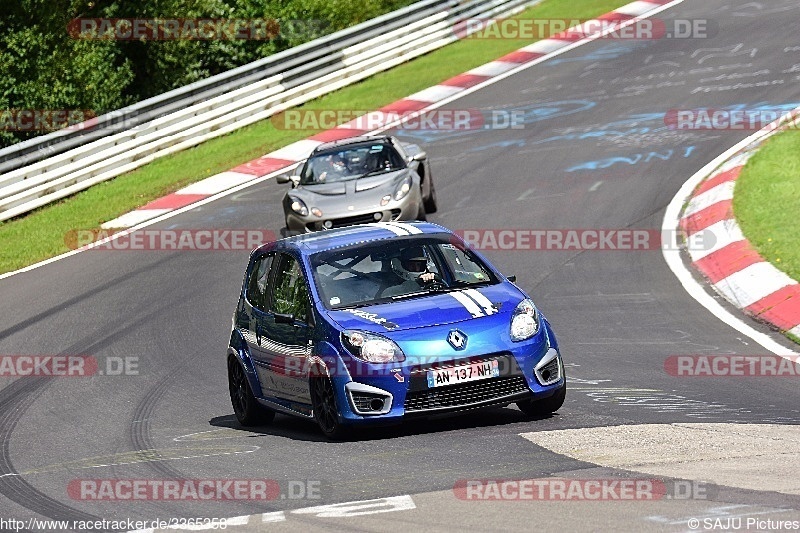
[{"x": 217, "y": 183}]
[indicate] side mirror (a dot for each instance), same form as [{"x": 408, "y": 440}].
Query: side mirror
[
  {"x": 282, "y": 318},
  {"x": 512, "y": 279},
  {"x": 419, "y": 156},
  {"x": 283, "y": 178}
]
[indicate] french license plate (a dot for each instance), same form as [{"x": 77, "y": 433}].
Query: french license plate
[{"x": 463, "y": 373}]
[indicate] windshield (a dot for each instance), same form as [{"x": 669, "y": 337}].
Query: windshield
[
  {"x": 397, "y": 269},
  {"x": 349, "y": 162}
]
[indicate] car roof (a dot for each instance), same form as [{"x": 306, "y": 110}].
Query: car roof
[
  {"x": 309, "y": 243},
  {"x": 350, "y": 140}
]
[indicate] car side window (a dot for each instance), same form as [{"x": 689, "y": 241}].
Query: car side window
[
  {"x": 257, "y": 284},
  {"x": 290, "y": 293}
]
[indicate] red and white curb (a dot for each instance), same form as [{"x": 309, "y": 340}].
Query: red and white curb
[
  {"x": 732, "y": 266},
  {"x": 292, "y": 154}
]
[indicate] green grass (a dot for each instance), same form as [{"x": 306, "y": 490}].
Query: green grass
[
  {"x": 767, "y": 202},
  {"x": 41, "y": 233}
]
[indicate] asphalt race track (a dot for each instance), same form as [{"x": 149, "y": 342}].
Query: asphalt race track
[{"x": 593, "y": 153}]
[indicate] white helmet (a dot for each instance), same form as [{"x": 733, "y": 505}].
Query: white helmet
[{"x": 411, "y": 263}]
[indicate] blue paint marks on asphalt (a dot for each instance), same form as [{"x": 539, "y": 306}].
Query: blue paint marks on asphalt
[{"x": 633, "y": 159}]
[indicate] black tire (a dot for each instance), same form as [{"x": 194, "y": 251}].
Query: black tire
[
  {"x": 247, "y": 410},
  {"x": 430, "y": 201},
  {"x": 544, "y": 407},
  {"x": 323, "y": 402},
  {"x": 421, "y": 215}
]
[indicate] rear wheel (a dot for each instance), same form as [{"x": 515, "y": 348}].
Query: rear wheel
[
  {"x": 546, "y": 406},
  {"x": 323, "y": 401},
  {"x": 247, "y": 410}
]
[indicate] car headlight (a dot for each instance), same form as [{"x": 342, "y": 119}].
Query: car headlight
[
  {"x": 298, "y": 206},
  {"x": 524, "y": 321},
  {"x": 403, "y": 189},
  {"x": 372, "y": 348}
]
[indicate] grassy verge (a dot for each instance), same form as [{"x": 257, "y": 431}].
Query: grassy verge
[
  {"x": 767, "y": 202},
  {"x": 40, "y": 234}
]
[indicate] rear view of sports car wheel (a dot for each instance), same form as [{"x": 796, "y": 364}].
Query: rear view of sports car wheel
[
  {"x": 544, "y": 407},
  {"x": 247, "y": 410},
  {"x": 323, "y": 401}
]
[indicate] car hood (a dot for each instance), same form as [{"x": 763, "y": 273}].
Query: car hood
[
  {"x": 371, "y": 189},
  {"x": 432, "y": 310}
]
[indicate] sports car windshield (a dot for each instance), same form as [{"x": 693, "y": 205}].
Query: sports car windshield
[
  {"x": 391, "y": 270},
  {"x": 351, "y": 162}
]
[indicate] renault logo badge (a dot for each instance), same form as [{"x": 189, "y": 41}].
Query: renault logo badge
[{"x": 457, "y": 339}]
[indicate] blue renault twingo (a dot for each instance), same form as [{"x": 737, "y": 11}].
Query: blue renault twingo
[{"x": 374, "y": 323}]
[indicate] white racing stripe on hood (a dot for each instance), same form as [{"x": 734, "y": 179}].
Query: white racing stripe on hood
[
  {"x": 482, "y": 300},
  {"x": 467, "y": 302},
  {"x": 408, "y": 227}
]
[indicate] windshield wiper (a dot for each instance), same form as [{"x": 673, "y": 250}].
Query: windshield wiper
[{"x": 409, "y": 295}]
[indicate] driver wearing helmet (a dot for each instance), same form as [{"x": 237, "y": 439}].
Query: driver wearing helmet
[
  {"x": 333, "y": 165},
  {"x": 411, "y": 272}
]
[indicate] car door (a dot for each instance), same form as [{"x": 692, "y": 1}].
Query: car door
[{"x": 286, "y": 333}]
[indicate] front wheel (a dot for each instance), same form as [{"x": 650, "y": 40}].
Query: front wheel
[
  {"x": 323, "y": 402},
  {"x": 544, "y": 407},
  {"x": 430, "y": 201},
  {"x": 247, "y": 410}
]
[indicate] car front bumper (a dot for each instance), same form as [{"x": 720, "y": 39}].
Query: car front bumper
[
  {"x": 389, "y": 394},
  {"x": 405, "y": 209}
]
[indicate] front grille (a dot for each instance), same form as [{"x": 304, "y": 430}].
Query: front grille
[{"x": 465, "y": 394}]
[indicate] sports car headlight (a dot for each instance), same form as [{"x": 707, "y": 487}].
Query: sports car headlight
[
  {"x": 371, "y": 348},
  {"x": 403, "y": 189},
  {"x": 524, "y": 321},
  {"x": 298, "y": 206}
]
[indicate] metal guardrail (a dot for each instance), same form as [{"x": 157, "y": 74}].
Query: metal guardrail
[{"x": 59, "y": 164}]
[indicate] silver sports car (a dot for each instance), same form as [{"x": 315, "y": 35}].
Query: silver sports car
[{"x": 359, "y": 180}]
